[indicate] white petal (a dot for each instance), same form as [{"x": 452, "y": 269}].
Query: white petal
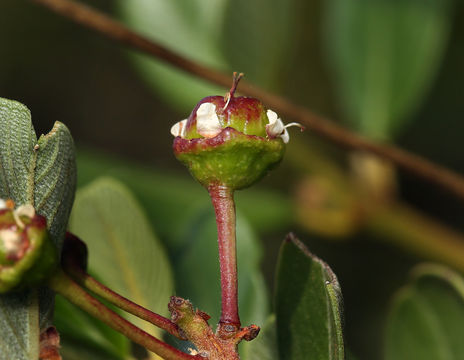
[
  {"x": 208, "y": 124},
  {"x": 3, "y": 204},
  {"x": 285, "y": 137},
  {"x": 276, "y": 126},
  {"x": 178, "y": 129},
  {"x": 272, "y": 116},
  {"x": 10, "y": 240},
  {"x": 275, "y": 129},
  {"x": 25, "y": 210}
]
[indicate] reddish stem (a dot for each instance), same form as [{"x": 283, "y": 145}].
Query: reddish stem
[
  {"x": 74, "y": 262},
  {"x": 235, "y": 82},
  {"x": 224, "y": 207},
  {"x": 123, "y": 303},
  {"x": 64, "y": 285}
]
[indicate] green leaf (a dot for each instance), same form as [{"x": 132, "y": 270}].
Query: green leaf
[
  {"x": 70, "y": 350},
  {"x": 17, "y": 140},
  {"x": 426, "y": 320},
  {"x": 170, "y": 199},
  {"x": 191, "y": 28},
  {"x": 350, "y": 355},
  {"x": 197, "y": 269},
  {"x": 264, "y": 347},
  {"x": 124, "y": 253},
  {"x": 42, "y": 173},
  {"x": 83, "y": 332},
  {"x": 308, "y": 306},
  {"x": 55, "y": 179},
  {"x": 257, "y": 38},
  {"x": 385, "y": 55},
  {"x": 251, "y": 37}
]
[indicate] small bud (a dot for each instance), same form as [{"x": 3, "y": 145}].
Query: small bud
[
  {"x": 74, "y": 254},
  {"x": 27, "y": 255},
  {"x": 49, "y": 344},
  {"x": 230, "y": 141}
]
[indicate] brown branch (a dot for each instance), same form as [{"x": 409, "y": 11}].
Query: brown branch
[{"x": 321, "y": 126}]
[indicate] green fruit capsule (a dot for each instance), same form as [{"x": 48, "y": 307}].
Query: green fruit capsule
[
  {"x": 230, "y": 141},
  {"x": 27, "y": 254}
]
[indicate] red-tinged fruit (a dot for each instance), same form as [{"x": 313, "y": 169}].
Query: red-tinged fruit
[
  {"x": 230, "y": 141},
  {"x": 27, "y": 254},
  {"x": 244, "y": 114}
]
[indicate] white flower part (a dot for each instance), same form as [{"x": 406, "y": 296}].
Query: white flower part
[
  {"x": 178, "y": 129},
  {"x": 25, "y": 210},
  {"x": 276, "y": 127},
  {"x": 208, "y": 124},
  {"x": 11, "y": 240},
  {"x": 3, "y": 204},
  {"x": 285, "y": 136}
]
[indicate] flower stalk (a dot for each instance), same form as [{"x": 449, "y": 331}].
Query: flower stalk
[
  {"x": 186, "y": 323},
  {"x": 223, "y": 202},
  {"x": 74, "y": 263},
  {"x": 125, "y": 304},
  {"x": 210, "y": 345},
  {"x": 228, "y": 143},
  {"x": 62, "y": 284}
]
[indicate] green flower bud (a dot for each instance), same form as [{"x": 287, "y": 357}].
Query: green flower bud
[
  {"x": 27, "y": 254},
  {"x": 230, "y": 141}
]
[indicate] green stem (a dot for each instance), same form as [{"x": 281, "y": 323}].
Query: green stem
[
  {"x": 64, "y": 285},
  {"x": 224, "y": 207},
  {"x": 121, "y": 302},
  {"x": 419, "y": 234}
]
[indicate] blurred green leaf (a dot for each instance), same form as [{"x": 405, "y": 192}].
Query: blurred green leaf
[
  {"x": 171, "y": 199},
  {"x": 308, "y": 306},
  {"x": 249, "y": 37},
  {"x": 191, "y": 28},
  {"x": 350, "y": 355},
  {"x": 426, "y": 320},
  {"x": 124, "y": 253},
  {"x": 264, "y": 347},
  {"x": 44, "y": 176},
  {"x": 83, "y": 333},
  {"x": 266, "y": 210},
  {"x": 385, "y": 54},
  {"x": 197, "y": 269},
  {"x": 75, "y": 351},
  {"x": 256, "y": 36}
]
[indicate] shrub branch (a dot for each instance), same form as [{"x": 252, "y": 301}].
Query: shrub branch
[{"x": 419, "y": 166}]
